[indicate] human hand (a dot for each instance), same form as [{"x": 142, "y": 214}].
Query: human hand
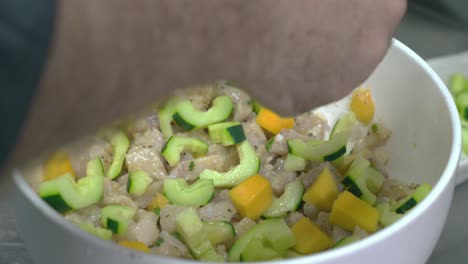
[{"x": 112, "y": 57}]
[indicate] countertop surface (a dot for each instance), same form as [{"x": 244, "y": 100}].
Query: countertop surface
[{"x": 429, "y": 37}]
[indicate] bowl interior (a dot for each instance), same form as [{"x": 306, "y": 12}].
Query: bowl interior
[{"x": 418, "y": 112}]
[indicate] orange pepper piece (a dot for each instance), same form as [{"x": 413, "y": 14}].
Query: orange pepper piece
[
  {"x": 252, "y": 196},
  {"x": 272, "y": 122}
]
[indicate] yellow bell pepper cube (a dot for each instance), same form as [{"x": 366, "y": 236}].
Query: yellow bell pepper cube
[
  {"x": 323, "y": 191},
  {"x": 57, "y": 165},
  {"x": 272, "y": 122},
  {"x": 135, "y": 245},
  {"x": 159, "y": 201},
  {"x": 252, "y": 196},
  {"x": 348, "y": 211},
  {"x": 362, "y": 105},
  {"x": 309, "y": 237}
]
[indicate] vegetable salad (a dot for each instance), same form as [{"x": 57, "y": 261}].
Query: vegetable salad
[
  {"x": 459, "y": 89},
  {"x": 213, "y": 175}
]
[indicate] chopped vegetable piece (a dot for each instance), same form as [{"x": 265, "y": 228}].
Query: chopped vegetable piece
[
  {"x": 374, "y": 128},
  {"x": 458, "y": 84},
  {"x": 227, "y": 133},
  {"x": 361, "y": 178},
  {"x": 159, "y": 201},
  {"x": 165, "y": 117},
  {"x": 362, "y": 105},
  {"x": 252, "y": 197},
  {"x": 159, "y": 241},
  {"x": 138, "y": 181},
  {"x": 323, "y": 191},
  {"x": 462, "y": 105},
  {"x": 256, "y": 106},
  {"x": 416, "y": 197},
  {"x": 294, "y": 163},
  {"x": 294, "y": 254},
  {"x": 275, "y": 234},
  {"x": 465, "y": 139},
  {"x": 57, "y": 165},
  {"x": 178, "y": 144},
  {"x": 97, "y": 231},
  {"x": 157, "y": 211},
  {"x": 344, "y": 125},
  {"x": 269, "y": 143},
  {"x": 343, "y": 163},
  {"x": 272, "y": 122},
  {"x": 257, "y": 249},
  {"x": 219, "y": 231},
  {"x": 348, "y": 211},
  {"x": 374, "y": 179},
  {"x": 120, "y": 144},
  {"x": 346, "y": 241},
  {"x": 309, "y": 238},
  {"x": 117, "y": 217},
  {"x": 190, "y": 118},
  {"x": 386, "y": 215},
  {"x": 135, "y": 245},
  {"x": 319, "y": 150},
  {"x": 249, "y": 164},
  {"x": 191, "y": 166},
  {"x": 177, "y": 191},
  {"x": 191, "y": 228},
  {"x": 289, "y": 201},
  {"x": 64, "y": 193}
]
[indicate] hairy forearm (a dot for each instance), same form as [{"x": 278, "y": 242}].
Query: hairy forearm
[{"x": 112, "y": 57}]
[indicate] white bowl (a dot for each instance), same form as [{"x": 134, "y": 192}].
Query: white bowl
[{"x": 425, "y": 147}]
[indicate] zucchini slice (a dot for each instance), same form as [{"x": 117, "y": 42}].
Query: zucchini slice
[
  {"x": 356, "y": 180},
  {"x": 344, "y": 125},
  {"x": 191, "y": 229},
  {"x": 326, "y": 150},
  {"x": 190, "y": 118},
  {"x": 319, "y": 150},
  {"x": 386, "y": 215},
  {"x": 165, "y": 117},
  {"x": 249, "y": 164},
  {"x": 294, "y": 163},
  {"x": 227, "y": 133},
  {"x": 178, "y": 192},
  {"x": 374, "y": 179},
  {"x": 65, "y": 194},
  {"x": 178, "y": 144},
  {"x": 289, "y": 201},
  {"x": 458, "y": 84},
  {"x": 346, "y": 241},
  {"x": 219, "y": 231},
  {"x": 117, "y": 217},
  {"x": 120, "y": 144},
  {"x": 462, "y": 104},
  {"x": 269, "y": 143},
  {"x": 138, "y": 181},
  {"x": 258, "y": 250},
  {"x": 412, "y": 200},
  {"x": 97, "y": 231},
  {"x": 275, "y": 235}
]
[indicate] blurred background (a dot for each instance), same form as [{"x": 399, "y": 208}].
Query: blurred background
[
  {"x": 435, "y": 28},
  {"x": 432, "y": 28}
]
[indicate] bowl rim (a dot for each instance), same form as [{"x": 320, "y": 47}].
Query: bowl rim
[{"x": 439, "y": 188}]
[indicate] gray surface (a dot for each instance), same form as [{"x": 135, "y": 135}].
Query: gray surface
[
  {"x": 453, "y": 244},
  {"x": 432, "y": 36},
  {"x": 429, "y": 38}
]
